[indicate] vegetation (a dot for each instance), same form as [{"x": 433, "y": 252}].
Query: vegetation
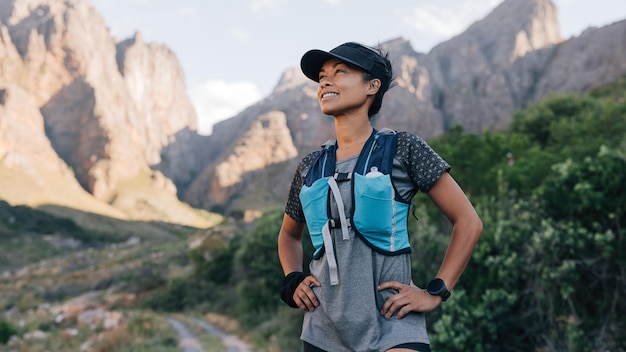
[
  {"x": 547, "y": 274},
  {"x": 6, "y": 331}
]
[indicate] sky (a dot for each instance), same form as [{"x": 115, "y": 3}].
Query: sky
[{"x": 233, "y": 52}]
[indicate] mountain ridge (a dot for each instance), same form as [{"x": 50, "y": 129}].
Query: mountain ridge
[{"x": 119, "y": 124}]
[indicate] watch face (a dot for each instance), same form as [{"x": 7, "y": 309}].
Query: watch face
[{"x": 435, "y": 286}]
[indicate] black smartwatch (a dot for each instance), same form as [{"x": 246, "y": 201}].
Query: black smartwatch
[{"x": 437, "y": 287}]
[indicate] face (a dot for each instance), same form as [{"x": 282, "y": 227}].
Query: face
[{"x": 342, "y": 89}]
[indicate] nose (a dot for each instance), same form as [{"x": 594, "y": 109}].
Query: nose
[{"x": 325, "y": 83}]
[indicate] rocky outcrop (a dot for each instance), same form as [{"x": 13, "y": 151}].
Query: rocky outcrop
[
  {"x": 267, "y": 141},
  {"x": 471, "y": 73},
  {"x": 30, "y": 170},
  {"x": 161, "y": 101},
  {"x": 110, "y": 109},
  {"x": 594, "y": 58},
  {"x": 70, "y": 63},
  {"x": 23, "y": 142}
]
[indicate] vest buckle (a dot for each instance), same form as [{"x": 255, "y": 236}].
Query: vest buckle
[{"x": 342, "y": 176}]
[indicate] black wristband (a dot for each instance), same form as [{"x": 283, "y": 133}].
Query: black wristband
[{"x": 290, "y": 283}]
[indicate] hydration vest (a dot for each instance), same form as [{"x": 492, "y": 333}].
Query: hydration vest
[{"x": 379, "y": 217}]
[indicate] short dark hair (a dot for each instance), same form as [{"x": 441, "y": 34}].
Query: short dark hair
[{"x": 386, "y": 81}]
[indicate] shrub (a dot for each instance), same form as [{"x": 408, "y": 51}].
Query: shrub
[{"x": 6, "y": 331}]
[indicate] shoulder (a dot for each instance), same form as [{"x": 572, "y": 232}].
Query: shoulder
[
  {"x": 409, "y": 144},
  {"x": 408, "y": 138},
  {"x": 307, "y": 161},
  {"x": 309, "y": 158},
  {"x": 413, "y": 149}
]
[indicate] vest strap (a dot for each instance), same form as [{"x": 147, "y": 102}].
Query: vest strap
[
  {"x": 328, "y": 240},
  {"x": 342, "y": 213},
  {"x": 330, "y": 255}
]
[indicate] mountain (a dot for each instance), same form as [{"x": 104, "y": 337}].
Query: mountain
[
  {"x": 107, "y": 111},
  {"x": 106, "y": 125},
  {"x": 509, "y": 59}
]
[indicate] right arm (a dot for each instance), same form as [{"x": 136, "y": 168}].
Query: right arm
[
  {"x": 296, "y": 290},
  {"x": 290, "y": 245},
  {"x": 291, "y": 257}
]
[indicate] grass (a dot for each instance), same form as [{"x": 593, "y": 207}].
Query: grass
[
  {"x": 142, "y": 331},
  {"x": 37, "y": 276},
  {"x": 113, "y": 278},
  {"x": 142, "y": 198}
]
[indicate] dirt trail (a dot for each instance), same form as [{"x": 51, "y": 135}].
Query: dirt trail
[
  {"x": 187, "y": 339},
  {"x": 189, "y": 343}
]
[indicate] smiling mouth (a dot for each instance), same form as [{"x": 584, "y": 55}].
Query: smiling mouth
[{"x": 327, "y": 95}]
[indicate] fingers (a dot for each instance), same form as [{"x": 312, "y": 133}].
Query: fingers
[
  {"x": 391, "y": 284},
  {"x": 409, "y": 298},
  {"x": 304, "y": 296},
  {"x": 393, "y": 304}
]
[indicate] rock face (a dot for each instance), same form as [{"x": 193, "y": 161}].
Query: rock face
[
  {"x": 23, "y": 142},
  {"x": 267, "y": 141},
  {"x": 471, "y": 73},
  {"x": 116, "y": 114},
  {"x": 110, "y": 109},
  {"x": 594, "y": 58},
  {"x": 31, "y": 172}
]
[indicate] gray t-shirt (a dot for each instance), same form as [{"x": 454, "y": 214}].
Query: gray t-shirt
[{"x": 348, "y": 318}]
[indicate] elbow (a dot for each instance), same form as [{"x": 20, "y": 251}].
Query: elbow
[
  {"x": 477, "y": 228},
  {"x": 472, "y": 227}
]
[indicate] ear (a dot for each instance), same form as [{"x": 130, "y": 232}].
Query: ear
[{"x": 373, "y": 86}]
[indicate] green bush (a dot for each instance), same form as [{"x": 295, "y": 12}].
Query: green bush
[{"x": 6, "y": 331}]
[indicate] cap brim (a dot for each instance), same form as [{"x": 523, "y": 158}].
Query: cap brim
[{"x": 313, "y": 60}]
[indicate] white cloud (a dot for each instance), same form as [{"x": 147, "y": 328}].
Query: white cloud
[
  {"x": 239, "y": 34},
  {"x": 186, "y": 11},
  {"x": 144, "y": 2},
  {"x": 217, "y": 100},
  {"x": 265, "y": 7}
]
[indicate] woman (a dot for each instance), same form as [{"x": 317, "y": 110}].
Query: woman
[{"x": 360, "y": 295}]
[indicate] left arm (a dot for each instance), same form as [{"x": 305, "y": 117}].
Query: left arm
[{"x": 467, "y": 226}]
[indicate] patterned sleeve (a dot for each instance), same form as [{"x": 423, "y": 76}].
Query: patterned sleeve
[
  {"x": 293, "y": 208},
  {"x": 423, "y": 164}
]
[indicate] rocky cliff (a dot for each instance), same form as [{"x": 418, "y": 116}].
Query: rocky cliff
[
  {"x": 114, "y": 118},
  {"x": 109, "y": 109}
]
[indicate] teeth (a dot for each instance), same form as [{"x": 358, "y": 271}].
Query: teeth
[{"x": 328, "y": 95}]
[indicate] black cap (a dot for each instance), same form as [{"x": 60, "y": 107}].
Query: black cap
[{"x": 356, "y": 54}]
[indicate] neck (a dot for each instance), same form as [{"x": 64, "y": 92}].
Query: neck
[{"x": 351, "y": 135}]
